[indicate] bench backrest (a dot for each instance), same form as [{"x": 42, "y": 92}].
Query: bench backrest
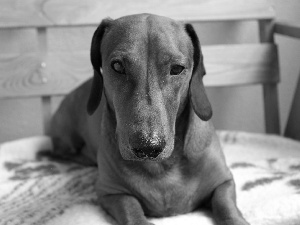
[{"x": 46, "y": 74}]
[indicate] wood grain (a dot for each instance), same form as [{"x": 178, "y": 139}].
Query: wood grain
[
  {"x": 23, "y": 75},
  {"x": 230, "y": 65},
  {"x": 48, "y": 13}
]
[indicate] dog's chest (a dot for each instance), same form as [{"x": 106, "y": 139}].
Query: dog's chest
[{"x": 170, "y": 194}]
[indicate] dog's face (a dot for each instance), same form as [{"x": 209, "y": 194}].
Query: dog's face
[{"x": 148, "y": 68}]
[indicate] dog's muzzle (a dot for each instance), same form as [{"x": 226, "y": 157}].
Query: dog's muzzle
[{"x": 147, "y": 147}]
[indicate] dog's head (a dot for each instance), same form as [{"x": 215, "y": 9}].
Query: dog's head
[{"x": 149, "y": 68}]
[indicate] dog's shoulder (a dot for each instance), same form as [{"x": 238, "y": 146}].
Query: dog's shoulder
[
  {"x": 200, "y": 134},
  {"x": 203, "y": 145}
]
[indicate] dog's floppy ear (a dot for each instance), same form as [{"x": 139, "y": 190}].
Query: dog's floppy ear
[
  {"x": 96, "y": 59},
  {"x": 197, "y": 93}
]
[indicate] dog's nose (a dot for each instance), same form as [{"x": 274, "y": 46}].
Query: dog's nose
[{"x": 147, "y": 146}]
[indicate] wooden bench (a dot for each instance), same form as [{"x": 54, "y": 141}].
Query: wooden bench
[{"x": 46, "y": 74}]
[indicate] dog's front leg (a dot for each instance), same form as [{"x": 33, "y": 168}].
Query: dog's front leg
[
  {"x": 125, "y": 209},
  {"x": 224, "y": 207}
]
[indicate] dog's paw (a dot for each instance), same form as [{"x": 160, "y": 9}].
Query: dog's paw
[
  {"x": 237, "y": 221},
  {"x": 141, "y": 223}
]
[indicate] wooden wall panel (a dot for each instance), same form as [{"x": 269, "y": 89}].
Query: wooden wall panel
[
  {"x": 230, "y": 65},
  {"x": 32, "y": 13}
]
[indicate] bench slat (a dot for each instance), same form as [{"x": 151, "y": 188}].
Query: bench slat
[
  {"x": 231, "y": 65},
  {"x": 23, "y": 75},
  {"x": 36, "y": 13}
]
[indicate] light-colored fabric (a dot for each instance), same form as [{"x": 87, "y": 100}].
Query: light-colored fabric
[{"x": 37, "y": 191}]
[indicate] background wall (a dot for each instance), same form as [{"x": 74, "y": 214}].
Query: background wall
[{"x": 238, "y": 108}]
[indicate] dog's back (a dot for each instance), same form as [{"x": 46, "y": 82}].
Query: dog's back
[{"x": 67, "y": 128}]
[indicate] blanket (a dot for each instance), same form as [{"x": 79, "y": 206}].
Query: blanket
[{"x": 39, "y": 191}]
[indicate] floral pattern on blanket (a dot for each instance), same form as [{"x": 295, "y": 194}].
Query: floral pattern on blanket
[
  {"x": 41, "y": 191},
  {"x": 272, "y": 170},
  {"x": 35, "y": 192}
]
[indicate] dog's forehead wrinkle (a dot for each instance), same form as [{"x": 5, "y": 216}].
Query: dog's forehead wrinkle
[
  {"x": 128, "y": 57},
  {"x": 169, "y": 47},
  {"x": 122, "y": 38},
  {"x": 163, "y": 40}
]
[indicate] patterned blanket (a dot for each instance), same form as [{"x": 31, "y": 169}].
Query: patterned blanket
[{"x": 39, "y": 191}]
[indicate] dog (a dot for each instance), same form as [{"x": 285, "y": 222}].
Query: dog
[{"x": 144, "y": 120}]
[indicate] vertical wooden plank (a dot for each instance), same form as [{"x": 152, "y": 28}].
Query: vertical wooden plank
[
  {"x": 270, "y": 91},
  {"x": 266, "y": 31},
  {"x": 292, "y": 129},
  {"x": 46, "y": 100},
  {"x": 46, "y": 113}
]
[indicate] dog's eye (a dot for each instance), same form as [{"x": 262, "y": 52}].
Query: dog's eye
[
  {"x": 176, "y": 69},
  {"x": 118, "y": 67}
]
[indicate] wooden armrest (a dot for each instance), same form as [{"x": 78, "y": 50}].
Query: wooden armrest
[{"x": 288, "y": 28}]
